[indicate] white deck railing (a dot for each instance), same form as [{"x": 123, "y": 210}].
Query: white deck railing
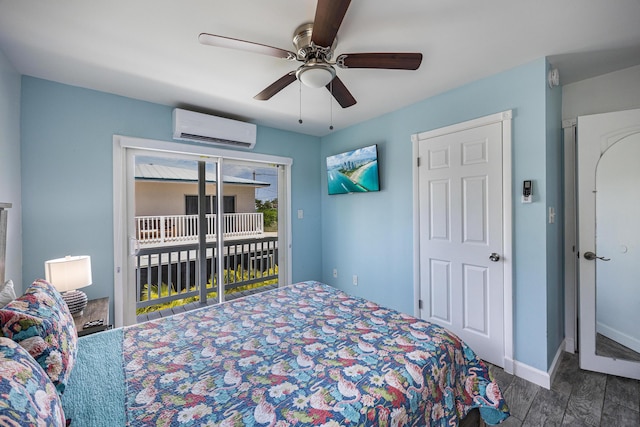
[{"x": 176, "y": 229}]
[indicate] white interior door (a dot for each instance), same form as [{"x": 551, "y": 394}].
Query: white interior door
[
  {"x": 609, "y": 240},
  {"x": 461, "y": 216}
]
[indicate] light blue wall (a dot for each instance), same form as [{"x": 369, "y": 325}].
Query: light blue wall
[
  {"x": 305, "y": 181},
  {"x": 67, "y": 176},
  {"x": 371, "y": 234},
  {"x": 555, "y": 234},
  {"x": 10, "y": 167}
]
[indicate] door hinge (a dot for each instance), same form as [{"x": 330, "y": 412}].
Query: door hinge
[
  {"x": 420, "y": 304},
  {"x": 418, "y": 161}
]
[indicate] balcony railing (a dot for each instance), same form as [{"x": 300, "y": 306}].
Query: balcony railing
[
  {"x": 161, "y": 230},
  {"x": 165, "y": 274}
]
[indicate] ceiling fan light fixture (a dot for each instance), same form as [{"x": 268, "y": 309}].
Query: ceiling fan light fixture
[{"x": 316, "y": 74}]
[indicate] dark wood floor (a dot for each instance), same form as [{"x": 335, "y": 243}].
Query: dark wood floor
[
  {"x": 609, "y": 348},
  {"x": 577, "y": 398}
]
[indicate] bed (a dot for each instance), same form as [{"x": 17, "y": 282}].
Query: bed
[{"x": 304, "y": 354}]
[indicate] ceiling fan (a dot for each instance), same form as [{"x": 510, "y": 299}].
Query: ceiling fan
[{"x": 315, "y": 43}]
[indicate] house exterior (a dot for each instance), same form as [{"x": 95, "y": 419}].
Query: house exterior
[{"x": 172, "y": 190}]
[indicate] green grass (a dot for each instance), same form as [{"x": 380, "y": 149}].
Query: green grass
[{"x": 230, "y": 277}]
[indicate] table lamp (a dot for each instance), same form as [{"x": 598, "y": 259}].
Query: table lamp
[{"x": 67, "y": 275}]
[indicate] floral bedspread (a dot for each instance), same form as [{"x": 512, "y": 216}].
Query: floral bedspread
[{"x": 305, "y": 354}]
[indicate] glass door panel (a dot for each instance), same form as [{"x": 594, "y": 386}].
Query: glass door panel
[
  {"x": 167, "y": 227},
  {"x": 251, "y": 246}
]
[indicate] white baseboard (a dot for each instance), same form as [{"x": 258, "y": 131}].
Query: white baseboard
[
  {"x": 569, "y": 345},
  {"x": 553, "y": 369},
  {"x": 536, "y": 376},
  {"x": 625, "y": 339},
  {"x": 509, "y": 366}
]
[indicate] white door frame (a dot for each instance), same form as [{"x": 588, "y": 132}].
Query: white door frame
[
  {"x": 507, "y": 206},
  {"x": 570, "y": 238},
  {"x": 123, "y": 303}
]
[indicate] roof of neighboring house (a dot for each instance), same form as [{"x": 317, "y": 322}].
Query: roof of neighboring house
[{"x": 152, "y": 172}]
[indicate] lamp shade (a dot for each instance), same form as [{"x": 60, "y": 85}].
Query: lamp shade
[{"x": 69, "y": 273}]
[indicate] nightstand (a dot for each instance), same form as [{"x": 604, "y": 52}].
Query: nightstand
[{"x": 96, "y": 309}]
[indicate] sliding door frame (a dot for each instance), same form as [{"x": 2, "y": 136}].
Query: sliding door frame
[{"x": 123, "y": 206}]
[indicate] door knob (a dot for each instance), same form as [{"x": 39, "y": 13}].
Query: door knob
[
  {"x": 592, "y": 256},
  {"x": 494, "y": 257}
]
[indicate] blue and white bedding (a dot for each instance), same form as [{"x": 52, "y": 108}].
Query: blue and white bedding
[{"x": 305, "y": 354}]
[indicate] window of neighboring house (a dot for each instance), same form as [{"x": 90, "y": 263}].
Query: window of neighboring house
[{"x": 191, "y": 204}]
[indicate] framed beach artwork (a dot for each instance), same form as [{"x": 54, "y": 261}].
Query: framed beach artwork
[{"x": 353, "y": 171}]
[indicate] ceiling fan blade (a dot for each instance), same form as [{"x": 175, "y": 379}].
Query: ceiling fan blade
[
  {"x": 329, "y": 15},
  {"x": 391, "y": 61},
  {"x": 229, "y": 43},
  {"x": 276, "y": 86},
  {"x": 341, "y": 93}
]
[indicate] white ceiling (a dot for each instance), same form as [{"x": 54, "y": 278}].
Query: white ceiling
[{"x": 149, "y": 50}]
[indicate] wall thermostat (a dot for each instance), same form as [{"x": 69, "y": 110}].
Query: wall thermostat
[{"x": 527, "y": 193}]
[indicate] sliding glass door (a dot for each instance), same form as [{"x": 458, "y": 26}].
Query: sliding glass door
[{"x": 194, "y": 230}]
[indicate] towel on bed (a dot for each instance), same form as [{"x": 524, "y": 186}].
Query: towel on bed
[{"x": 95, "y": 393}]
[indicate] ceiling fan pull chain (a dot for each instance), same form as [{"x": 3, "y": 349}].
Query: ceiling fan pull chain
[
  {"x": 300, "y": 97},
  {"x": 331, "y": 105}
]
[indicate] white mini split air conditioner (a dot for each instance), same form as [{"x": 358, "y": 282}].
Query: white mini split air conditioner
[{"x": 198, "y": 127}]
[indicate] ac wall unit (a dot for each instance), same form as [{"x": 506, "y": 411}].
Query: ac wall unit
[{"x": 198, "y": 127}]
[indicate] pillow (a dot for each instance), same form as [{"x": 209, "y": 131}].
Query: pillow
[
  {"x": 40, "y": 322},
  {"x": 7, "y": 293},
  {"x": 27, "y": 396}
]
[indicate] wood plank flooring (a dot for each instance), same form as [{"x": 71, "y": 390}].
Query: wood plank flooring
[
  {"x": 577, "y": 398},
  {"x": 610, "y": 348}
]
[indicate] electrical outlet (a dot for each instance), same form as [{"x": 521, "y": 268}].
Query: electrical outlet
[
  {"x": 335, "y": 273},
  {"x": 355, "y": 280}
]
